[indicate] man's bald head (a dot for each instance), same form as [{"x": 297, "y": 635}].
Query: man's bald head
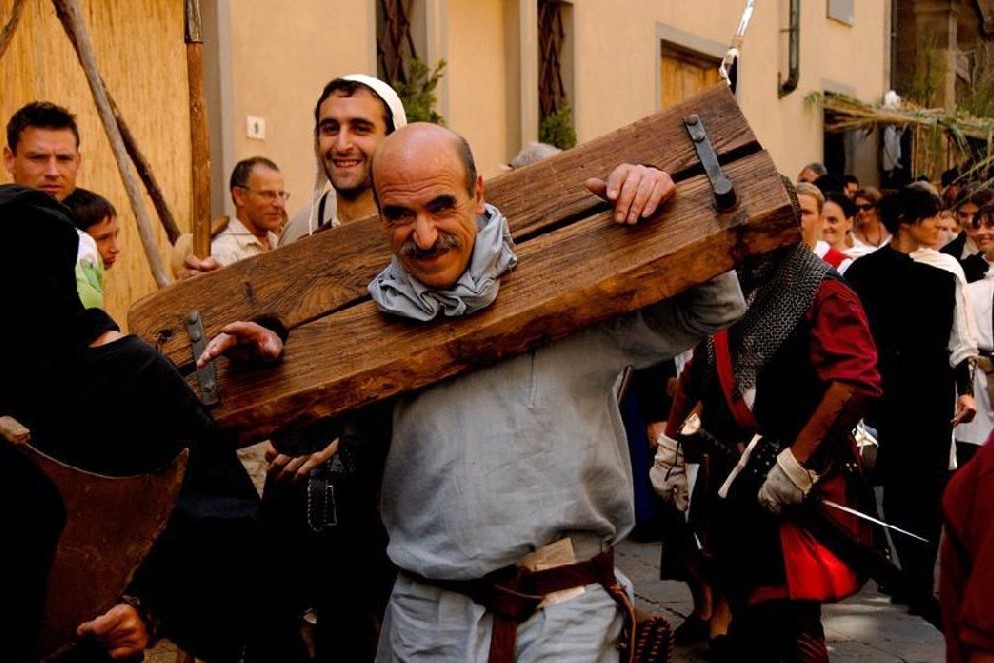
[{"x": 420, "y": 140}]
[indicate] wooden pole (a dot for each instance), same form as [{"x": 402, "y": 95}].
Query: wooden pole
[
  {"x": 72, "y": 22},
  {"x": 8, "y": 30},
  {"x": 200, "y": 152},
  {"x": 144, "y": 169}
]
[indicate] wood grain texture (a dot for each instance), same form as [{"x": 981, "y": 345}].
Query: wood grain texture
[
  {"x": 576, "y": 268},
  {"x": 200, "y": 151},
  {"x": 317, "y": 275},
  {"x": 566, "y": 280}
]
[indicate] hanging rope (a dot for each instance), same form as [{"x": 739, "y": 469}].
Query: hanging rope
[{"x": 733, "y": 51}]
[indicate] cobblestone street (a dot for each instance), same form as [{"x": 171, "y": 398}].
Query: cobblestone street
[{"x": 865, "y": 628}]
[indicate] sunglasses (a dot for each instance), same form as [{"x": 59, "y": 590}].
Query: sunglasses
[{"x": 865, "y": 207}]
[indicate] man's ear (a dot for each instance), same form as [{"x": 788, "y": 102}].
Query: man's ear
[
  {"x": 479, "y": 194},
  {"x": 8, "y": 159},
  {"x": 238, "y": 196}
]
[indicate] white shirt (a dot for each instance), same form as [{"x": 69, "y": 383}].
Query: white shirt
[
  {"x": 981, "y": 296},
  {"x": 236, "y": 243},
  {"x": 861, "y": 248},
  {"x": 963, "y": 336},
  {"x": 302, "y": 223}
]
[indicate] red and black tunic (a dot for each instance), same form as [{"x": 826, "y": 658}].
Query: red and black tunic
[{"x": 830, "y": 343}]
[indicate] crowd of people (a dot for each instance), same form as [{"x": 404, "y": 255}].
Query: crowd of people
[
  {"x": 900, "y": 339},
  {"x": 476, "y": 519}
]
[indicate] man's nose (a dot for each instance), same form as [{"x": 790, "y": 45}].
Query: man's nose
[
  {"x": 425, "y": 232},
  {"x": 51, "y": 168},
  {"x": 343, "y": 140}
]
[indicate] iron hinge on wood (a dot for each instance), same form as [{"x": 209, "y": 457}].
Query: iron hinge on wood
[
  {"x": 725, "y": 198},
  {"x": 206, "y": 376}
]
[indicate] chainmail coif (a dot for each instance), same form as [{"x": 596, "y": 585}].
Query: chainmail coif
[
  {"x": 775, "y": 308},
  {"x": 779, "y": 288}
]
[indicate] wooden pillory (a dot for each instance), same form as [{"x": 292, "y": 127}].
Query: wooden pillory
[{"x": 576, "y": 268}]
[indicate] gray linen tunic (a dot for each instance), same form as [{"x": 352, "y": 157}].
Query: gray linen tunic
[{"x": 489, "y": 466}]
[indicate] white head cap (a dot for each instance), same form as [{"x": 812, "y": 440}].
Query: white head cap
[{"x": 386, "y": 93}]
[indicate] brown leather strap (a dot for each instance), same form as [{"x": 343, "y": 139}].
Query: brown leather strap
[
  {"x": 986, "y": 364},
  {"x": 512, "y": 595},
  {"x": 597, "y": 569}
]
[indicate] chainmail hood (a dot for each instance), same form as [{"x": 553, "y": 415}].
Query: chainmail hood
[{"x": 779, "y": 288}]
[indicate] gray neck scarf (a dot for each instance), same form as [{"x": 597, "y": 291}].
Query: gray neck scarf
[{"x": 395, "y": 291}]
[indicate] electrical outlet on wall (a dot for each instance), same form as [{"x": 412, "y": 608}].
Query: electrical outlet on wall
[{"x": 255, "y": 127}]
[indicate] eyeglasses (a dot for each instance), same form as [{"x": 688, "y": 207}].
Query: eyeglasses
[
  {"x": 865, "y": 207},
  {"x": 270, "y": 196}
]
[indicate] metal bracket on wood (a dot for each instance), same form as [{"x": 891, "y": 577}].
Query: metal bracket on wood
[
  {"x": 206, "y": 376},
  {"x": 725, "y": 198}
]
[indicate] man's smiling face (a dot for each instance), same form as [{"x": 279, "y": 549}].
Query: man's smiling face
[
  {"x": 427, "y": 206},
  {"x": 350, "y": 128}
]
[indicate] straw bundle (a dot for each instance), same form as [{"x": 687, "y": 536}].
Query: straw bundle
[{"x": 844, "y": 113}]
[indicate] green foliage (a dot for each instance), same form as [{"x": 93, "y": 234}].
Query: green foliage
[
  {"x": 418, "y": 96},
  {"x": 557, "y": 128},
  {"x": 977, "y": 98}
]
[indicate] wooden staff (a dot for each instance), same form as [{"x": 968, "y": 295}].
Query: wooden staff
[
  {"x": 200, "y": 152},
  {"x": 145, "y": 173},
  {"x": 8, "y": 30},
  {"x": 144, "y": 168},
  {"x": 72, "y": 22}
]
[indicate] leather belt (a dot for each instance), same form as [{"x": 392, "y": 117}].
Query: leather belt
[{"x": 512, "y": 594}]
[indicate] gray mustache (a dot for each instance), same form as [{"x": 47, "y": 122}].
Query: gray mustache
[{"x": 443, "y": 243}]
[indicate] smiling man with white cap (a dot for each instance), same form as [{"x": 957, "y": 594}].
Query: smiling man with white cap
[
  {"x": 340, "y": 541},
  {"x": 352, "y": 116}
]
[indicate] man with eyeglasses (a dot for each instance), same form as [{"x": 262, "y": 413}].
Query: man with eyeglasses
[{"x": 260, "y": 207}]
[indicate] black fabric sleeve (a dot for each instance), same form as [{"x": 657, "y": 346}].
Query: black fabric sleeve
[{"x": 964, "y": 377}]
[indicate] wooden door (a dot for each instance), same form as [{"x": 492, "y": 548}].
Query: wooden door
[{"x": 685, "y": 73}]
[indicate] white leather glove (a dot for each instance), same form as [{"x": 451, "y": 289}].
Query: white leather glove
[
  {"x": 787, "y": 483},
  {"x": 669, "y": 473}
]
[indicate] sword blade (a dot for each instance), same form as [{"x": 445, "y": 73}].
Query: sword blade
[{"x": 860, "y": 514}]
